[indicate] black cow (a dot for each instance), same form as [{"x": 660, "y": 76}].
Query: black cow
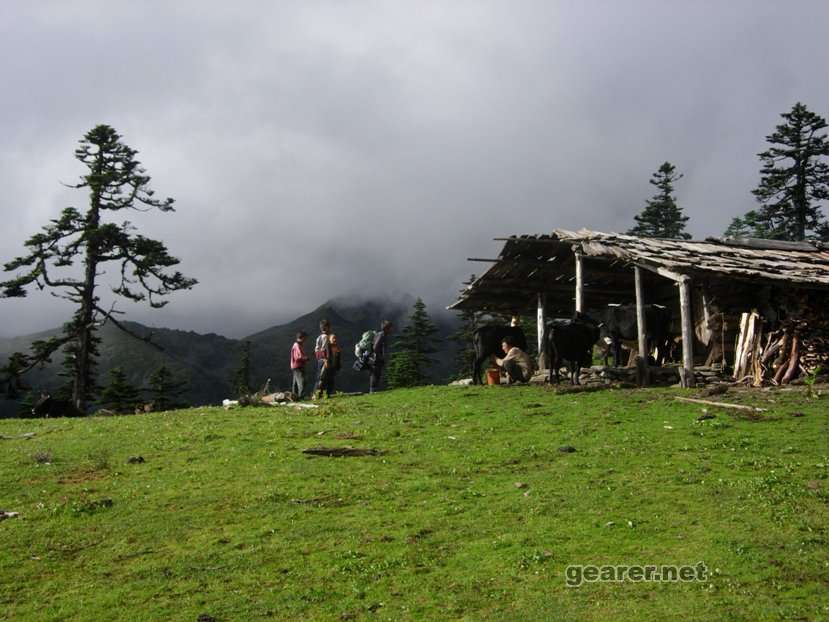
[
  {"x": 487, "y": 341},
  {"x": 618, "y": 324},
  {"x": 48, "y": 406},
  {"x": 570, "y": 340}
]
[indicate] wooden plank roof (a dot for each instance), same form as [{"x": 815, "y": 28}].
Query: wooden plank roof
[{"x": 529, "y": 264}]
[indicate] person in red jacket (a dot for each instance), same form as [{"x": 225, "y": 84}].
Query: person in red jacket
[{"x": 298, "y": 360}]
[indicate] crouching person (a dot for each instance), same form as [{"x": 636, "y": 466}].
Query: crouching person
[
  {"x": 517, "y": 364},
  {"x": 330, "y": 367}
]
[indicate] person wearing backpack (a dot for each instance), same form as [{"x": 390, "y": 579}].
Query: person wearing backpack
[
  {"x": 364, "y": 351},
  {"x": 379, "y": 352},
  {"x": 330, "y": 366}
]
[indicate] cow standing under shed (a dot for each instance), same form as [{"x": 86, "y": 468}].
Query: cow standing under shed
[
  {"x": 571, "y": 341},
  {"x": 618, "y": 324},
  {"x": 487, "y": 341}
]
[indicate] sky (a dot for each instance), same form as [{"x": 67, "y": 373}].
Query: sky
[{"x": 320, "y": 149}]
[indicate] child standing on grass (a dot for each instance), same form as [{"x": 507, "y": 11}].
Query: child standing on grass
[
  {"x": 330, "y": 367},
  {"x": 319, "y": 347},
  {"x": 298, "y": 361}
]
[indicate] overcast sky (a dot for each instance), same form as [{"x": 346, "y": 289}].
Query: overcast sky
[{"x": 319, "y": 148}]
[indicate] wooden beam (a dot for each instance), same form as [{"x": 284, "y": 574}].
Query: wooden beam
[
  {"x": 579, "y": 283},
  {"x": 542, "y": 321},
  {"x": 668, "y": 274},
  {"x": 687, "y": 331},
  {"x": 641, "y": 328},
  {"x": 531, "y": 288}
]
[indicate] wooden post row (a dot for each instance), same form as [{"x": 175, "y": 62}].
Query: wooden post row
[
  {"x": 687, "y": 331},
  {"x": 579, "y": 283}
]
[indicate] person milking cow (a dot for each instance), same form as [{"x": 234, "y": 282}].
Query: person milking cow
[{"x": 517, "y": 364}]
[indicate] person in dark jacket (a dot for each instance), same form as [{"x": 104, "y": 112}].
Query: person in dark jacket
[
  {"x": 330, "y": 366},
  {"x": 381, "y": 346}
]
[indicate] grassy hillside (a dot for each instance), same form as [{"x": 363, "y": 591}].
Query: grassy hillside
[{"x": 471, "y": 513}]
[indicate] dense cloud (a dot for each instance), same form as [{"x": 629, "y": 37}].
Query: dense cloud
[{"x": 320, "y": 148}]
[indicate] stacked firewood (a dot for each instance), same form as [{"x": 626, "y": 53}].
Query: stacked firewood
[{"x": 796, "y": 347}]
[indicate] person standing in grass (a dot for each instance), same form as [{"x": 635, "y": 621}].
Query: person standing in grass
[
  {"x": 330, "y": 366},
  {"x": 298, "y": 361},
  {"x": 381, "y": 346},
  {"x": 517, "y": 364},
  {"x": 319, "y": 347}
]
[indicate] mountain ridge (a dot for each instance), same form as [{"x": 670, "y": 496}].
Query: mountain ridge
[{"x": 208, "y": 360}]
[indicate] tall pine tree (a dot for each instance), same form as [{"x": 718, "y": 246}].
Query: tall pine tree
[
  {"x": 410, "y": 362},
  {"x": 662, "y": 217},
  {"x": 242, "y": 376},
  {"x": 793, "y": 179},
  {"x": 119, "y": 395},
  {"x": 86, "y": 243},
  {"x": 165, "y": 390}
]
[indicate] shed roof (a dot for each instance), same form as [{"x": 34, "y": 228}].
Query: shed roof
[{"x": 529, "y": 264}]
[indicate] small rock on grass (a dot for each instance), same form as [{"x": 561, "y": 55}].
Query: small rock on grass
[
  {"x": 567, "y": 449},
  {"x": 797, "y": 413},
  {"x": 136, "y": 460},
  {"x": 521, "y": 484}
]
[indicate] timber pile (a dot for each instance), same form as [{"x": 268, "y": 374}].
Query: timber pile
[
  {"x": 798, "y": 347},
  {"x": 659, "y": 376}
]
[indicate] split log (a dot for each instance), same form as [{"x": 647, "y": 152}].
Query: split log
[
  {"x": 25, "y": 435},
  {"x": 794, "y": 361},
  {"x": 720, "y": 404},
  {"x": 775, "y": 344}
]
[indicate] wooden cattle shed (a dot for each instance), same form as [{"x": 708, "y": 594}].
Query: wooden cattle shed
[{"x": 733, "y": 298}]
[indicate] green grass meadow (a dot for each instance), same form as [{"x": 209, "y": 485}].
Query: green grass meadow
[{"x": 471, "y": 513}]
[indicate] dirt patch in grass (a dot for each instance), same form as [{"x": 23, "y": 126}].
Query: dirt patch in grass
[{"x": 80, "y": 476}]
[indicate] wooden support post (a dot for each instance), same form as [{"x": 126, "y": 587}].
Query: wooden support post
[
  {"x": 687, "y": 374},
  {"x": 641, "y": 330},
  {"x": 542, "y": 320},
  {"x": 579, "y": 284}
]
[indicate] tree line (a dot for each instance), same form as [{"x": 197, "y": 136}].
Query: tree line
[{"x": 794, "y": 178}]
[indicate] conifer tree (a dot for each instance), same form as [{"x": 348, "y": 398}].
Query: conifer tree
[
  {"x": 410, "y": 362},
  {"x": 115, "y": 183},
  {"x": 12, "y": 376},
  {"x": 119, "y": 395},
  {"x": 25, "y": 406},
  {"x": 241, "y": 377},
  {"x": 165, "y": 390},
  {"x": 662, "y": 218},
  {"x": 462, "y": 337},
  {"x": 794, "y": 178}
]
